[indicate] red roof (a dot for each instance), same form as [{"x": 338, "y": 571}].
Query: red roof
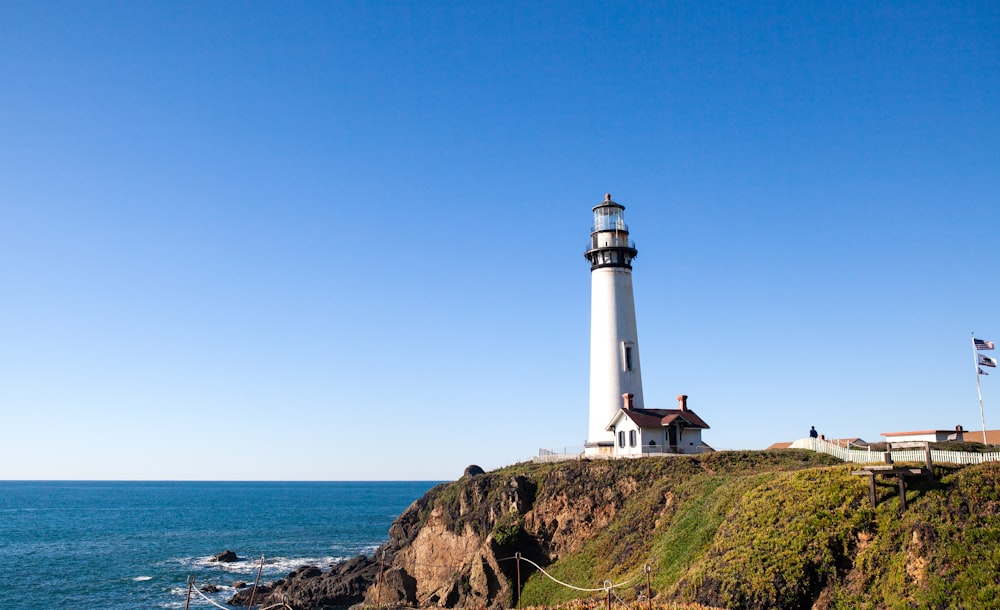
[
  {"x": 658, "y": 418},
  {"x": 976, "y": 436}
]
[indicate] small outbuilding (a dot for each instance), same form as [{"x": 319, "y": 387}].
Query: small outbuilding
[
  {"x": 849, "y": 443},
  {"x": 931, "y": 436},
  {"x": 639, "y": 432}
]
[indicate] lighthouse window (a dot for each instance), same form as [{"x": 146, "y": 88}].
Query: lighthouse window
[
  {"x": 627, "y": 356},
  {"x": 621, "y": 438},
  {"x": 631, "y": 438}
]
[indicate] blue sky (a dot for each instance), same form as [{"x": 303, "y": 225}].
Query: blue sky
[{"x": 345, "y": 240}]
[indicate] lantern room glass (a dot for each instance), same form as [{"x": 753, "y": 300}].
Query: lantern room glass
[{"x": 609, "y": 218}]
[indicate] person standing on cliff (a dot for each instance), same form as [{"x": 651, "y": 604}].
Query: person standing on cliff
[{"x": 812, "y": 432}]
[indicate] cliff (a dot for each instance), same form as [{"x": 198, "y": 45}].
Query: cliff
[{"x": 779, "y": 529}]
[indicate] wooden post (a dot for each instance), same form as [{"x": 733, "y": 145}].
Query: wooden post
[
  {"x": 517, "y": 557},
  {"x": 649, "y": 590},
  {"x": 902, "y": 493},
  {"x": 871, "y": 489},
  {"x": 187, "y": 603},
  {"x": 253, "y": 593}
]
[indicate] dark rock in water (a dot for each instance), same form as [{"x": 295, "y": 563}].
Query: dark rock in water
[
  {"x": 309, "y": 587},
  {"x": 239, "y": 584},
  {"x": 208, "y": 589},
  {"x": 225, "y": 556},
  {"x": 473, "y": 470},
  {"x": 242, "y": 597}
]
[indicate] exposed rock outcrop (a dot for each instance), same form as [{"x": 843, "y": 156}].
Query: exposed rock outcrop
[
  {"x": 310, "y": 587},
  {"x": 453, "y": 547},
  {"x": 754, "y": 530},
  {"x": 225, "y": 556}
]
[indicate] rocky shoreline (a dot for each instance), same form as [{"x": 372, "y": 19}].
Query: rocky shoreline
[
  {"x": 344, "y": 584},
  {"x": 451, "y": 548}
]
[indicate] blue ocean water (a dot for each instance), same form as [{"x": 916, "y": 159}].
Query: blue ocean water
[{"x": 130, "y": 545}]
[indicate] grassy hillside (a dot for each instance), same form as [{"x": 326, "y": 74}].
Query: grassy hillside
[{"x": 786, "y": 529}]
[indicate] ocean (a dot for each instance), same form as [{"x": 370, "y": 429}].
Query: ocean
[{"x": 117, "y": 545}]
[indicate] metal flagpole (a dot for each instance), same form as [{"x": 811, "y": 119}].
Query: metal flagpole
[{"x": 979, "y": 387}]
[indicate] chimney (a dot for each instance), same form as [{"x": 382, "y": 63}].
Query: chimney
[
  {"x": 682, "y": 402},
  {"x": 627, "y": 401}
]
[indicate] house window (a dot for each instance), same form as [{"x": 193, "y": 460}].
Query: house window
[
  {"x": 631, "y": 438},
  {"x": 627, "y": 357},
  {"x": 621, "y": 438}
]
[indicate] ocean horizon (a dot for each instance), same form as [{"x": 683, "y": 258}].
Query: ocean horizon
[{"x": 121, "y": 545}]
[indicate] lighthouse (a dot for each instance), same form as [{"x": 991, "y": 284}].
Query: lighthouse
[{"x": 615, "y": 375}]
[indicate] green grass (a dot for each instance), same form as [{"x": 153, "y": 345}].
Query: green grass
[
  {"x": 666, "y": 524},
  {"x": 749, "y": 530}
]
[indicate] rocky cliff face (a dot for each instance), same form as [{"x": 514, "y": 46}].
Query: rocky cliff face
[
  {"x": 455, "y": 546},
  {"x": 749, "y": 530}
]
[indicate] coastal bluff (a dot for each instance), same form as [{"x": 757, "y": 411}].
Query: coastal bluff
[{"x": 741, "y": 529}]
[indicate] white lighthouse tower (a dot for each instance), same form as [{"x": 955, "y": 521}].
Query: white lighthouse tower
[{"x": 614, "y": 342}]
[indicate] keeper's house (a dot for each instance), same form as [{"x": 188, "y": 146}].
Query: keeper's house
[{"x": 640, "y": 432}]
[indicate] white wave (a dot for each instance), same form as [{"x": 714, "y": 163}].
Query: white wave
[
  {"x": 283, "y": 565},
  {"x": 247, "y": 567},
  {"x": 142, "y": 578}
]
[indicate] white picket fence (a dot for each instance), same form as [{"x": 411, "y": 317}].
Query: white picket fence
[{"x": 938, "y": 456}]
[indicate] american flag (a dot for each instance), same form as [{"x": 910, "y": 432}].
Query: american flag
[
  {"x": 987, "y": 361},
  {"x": 982, "y": 372},
  {"x": 982, "y": 345}
]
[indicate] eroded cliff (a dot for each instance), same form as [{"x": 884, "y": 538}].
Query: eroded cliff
[{"x": 787, "y": 529}]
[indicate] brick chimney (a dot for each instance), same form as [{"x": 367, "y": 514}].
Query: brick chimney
[
  {"x": 627, "y": 401},
  {"x": 682, "y": 402}
]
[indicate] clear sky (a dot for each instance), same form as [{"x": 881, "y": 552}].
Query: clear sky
[{"x": 344, "y": 240}]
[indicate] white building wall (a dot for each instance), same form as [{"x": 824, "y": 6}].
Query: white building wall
[
  {"x": 933, "y": 436},
  {"x": 689, "y": 441},
  {"x": 630, "y": 430},
  {"x": 612, "y": 328},
  {"x": 658, "y": 436}
]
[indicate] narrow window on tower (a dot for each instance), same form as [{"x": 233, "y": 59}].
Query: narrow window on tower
[{"x": 627, "y": 349}]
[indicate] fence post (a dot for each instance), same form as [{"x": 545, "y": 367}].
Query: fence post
[
  {"x": 253, "y": 593},
  {"x": 187, "y": 603},
  {"x": 517, "y": 558},
  {"x": 649, "y": 589}
]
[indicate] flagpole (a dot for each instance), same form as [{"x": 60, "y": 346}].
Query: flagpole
[{"x": 979, "y": 387}]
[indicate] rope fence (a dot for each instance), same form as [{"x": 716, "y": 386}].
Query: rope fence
[
  {"x": 192, "y": 589},
  {"x": 607, "y": 586}
]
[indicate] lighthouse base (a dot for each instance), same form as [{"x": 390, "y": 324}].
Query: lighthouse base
[{"x": 600, "y": 448}]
